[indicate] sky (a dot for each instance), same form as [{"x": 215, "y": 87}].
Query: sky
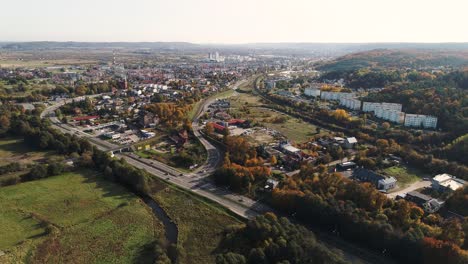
[{"x": 235, "y": 21}]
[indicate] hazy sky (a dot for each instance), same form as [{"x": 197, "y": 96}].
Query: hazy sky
[{"x": 235, "y": 21}]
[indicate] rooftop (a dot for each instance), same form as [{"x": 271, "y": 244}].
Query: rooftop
[{"x": 442, "y": 177}]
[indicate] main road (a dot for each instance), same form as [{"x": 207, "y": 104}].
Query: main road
[{"x": 199, "y": 181}]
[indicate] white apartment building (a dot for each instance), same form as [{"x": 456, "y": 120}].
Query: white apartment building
[
  {"x": 312, "y": 92},
  {"x": 350, "y": 103},
  {"x": 430, "y": 122},
  {"x": 391, "y": 106},
  {"x": 390, "y": 115},
  {"x": 420, "y": 120},
  {"x": 335, "y": 96},
  {"x": 370, "y": 107}
]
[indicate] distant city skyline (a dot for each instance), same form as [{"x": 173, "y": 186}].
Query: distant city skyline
[{"x": 235, "y": 22}]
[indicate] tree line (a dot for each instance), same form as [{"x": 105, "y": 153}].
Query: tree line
[{"x": 268, "y": 239}]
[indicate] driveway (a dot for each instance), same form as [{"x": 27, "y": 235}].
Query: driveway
[{"x": 414, "y": 186}]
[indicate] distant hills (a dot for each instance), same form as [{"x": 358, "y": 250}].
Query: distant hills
[
  {"x": 400, "y": 58},
  {"x": 50, "y": 45},
  {"x": 326, "y": 50}
]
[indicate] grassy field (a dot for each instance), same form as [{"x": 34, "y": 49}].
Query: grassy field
[
  {"x": 249, "y": 106},
  {"x": 43, "y": 63},
  {"x": 404, "y": 175},
  {"x": 195, "y": 108},
  {"x": 241, "y": 99},
  {"x": 15, "y": 150},
  {"x": 74, "y": 218},
  {"x": 294, "y": 129},
  {"x": 200, "y": 223}
]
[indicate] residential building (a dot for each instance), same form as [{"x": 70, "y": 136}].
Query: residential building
[
  {"x": 390, "y": 115},
  {"x": 314, "y": 92},
  {"x": 417, "y": 198},
  {"x": 430, "y": 122},
  {"x": 148, "y": 119},
  {"x": 335, "y": 95},
  {"x": 429, "y": 204},
  {"x": 350, "y": 142},
  {"x": 386, "y": 184},
  {"x": 346, "y": 166},
  {"x": 350, "y": 103},
  {"x": 420, "y": 121},
  {"x": 381, "y": 182},
  {"x": 271, "y": 184},
  {"x": 370, "y": 106}
]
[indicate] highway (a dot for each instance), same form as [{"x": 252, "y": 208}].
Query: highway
[{"x": 200, "y": 183}]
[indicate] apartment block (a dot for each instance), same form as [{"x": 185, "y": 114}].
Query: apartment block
[
  {"x": 420, "y": 121},
  {"x": 370, "y": 106},
  {"x": 390, "y": 115},
  {"x": 312, "y": 92},
  {"x": 335, "y": 96},
  {"x": 350, "y": 103}
]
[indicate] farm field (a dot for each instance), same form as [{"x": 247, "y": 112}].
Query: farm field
[
  {"x": 74, "y": 217},
  {"x": 201, "y": 223}
]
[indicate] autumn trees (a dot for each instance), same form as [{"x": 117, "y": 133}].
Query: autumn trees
[
  {"x": 241, "y": 166},
  {"x": 268, "y": 239},
  {"x": 362, "y": 214},
  {"x": 170, "y": 114}
]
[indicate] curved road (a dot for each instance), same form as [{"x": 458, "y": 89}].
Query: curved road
[{"x": 199, "y": 182}]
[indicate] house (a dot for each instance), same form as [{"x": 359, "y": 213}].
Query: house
[
  {"x": 339, "y": 140},
  {"x": 446, "y": 182},
  {"x": 346, "y": 166},
  {"x": 350, "y": 142},
  {"x": 429, "y": 204},
  {"x": 381, "y": 182},
  {"x": 387, "y": 183},
  {"x": 417, "y": 198},
  {"x": 271, "y": 184},
  {"x": 148, "y": 119}
]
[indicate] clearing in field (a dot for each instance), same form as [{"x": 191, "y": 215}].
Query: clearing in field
[
  {"x": 201, "y": 223},
  {"x": 74, "y": 217}
]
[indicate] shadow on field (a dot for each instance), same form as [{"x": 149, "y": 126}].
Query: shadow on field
[
  {"x": 108, "y": 188},
  {"x": 146, "y": 255}
]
